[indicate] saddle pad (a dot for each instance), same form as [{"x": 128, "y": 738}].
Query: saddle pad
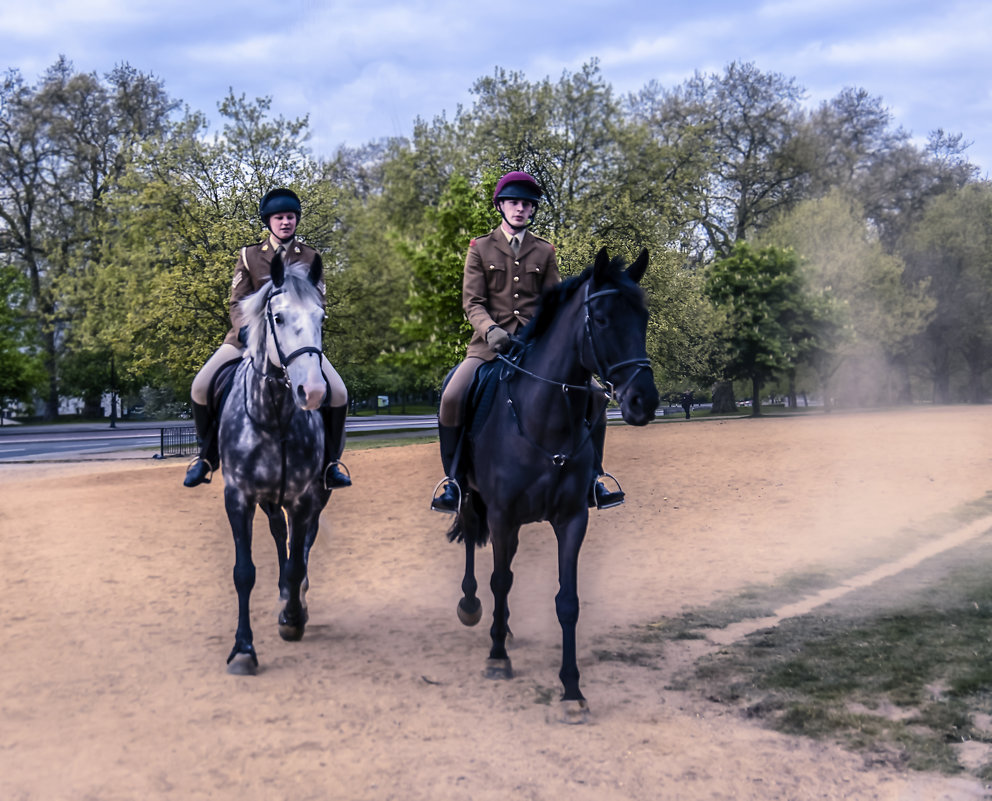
[
  {"x": 482, "y": 395},
  {"x": 220, "y": 385}
]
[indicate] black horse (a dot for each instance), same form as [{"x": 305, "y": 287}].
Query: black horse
[
  {"x": 532, "y": 457},
  {"x": 272, "y": 444}
]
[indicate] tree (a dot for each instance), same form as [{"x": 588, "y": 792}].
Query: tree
[
  {"x": 746, "y": 129},
  {"x": 950, "y": 248},
  {"x": 768, "y": 321},
  {"x": 63, "y": 145},
  {"x": 872, "y": 310},
  {"x": 434, "y": 327},
  {"x": 21, "y": 372}
]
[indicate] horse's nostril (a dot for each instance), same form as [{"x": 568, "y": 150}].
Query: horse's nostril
[{"x": 301, "y": 393}]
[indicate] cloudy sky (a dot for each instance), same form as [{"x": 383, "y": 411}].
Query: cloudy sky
[{"x": 365, "y": 69}]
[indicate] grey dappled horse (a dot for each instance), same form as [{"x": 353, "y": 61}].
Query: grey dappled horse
[
  {"x": 532, "y": 458},
  {"x": 272, "y": 443}
]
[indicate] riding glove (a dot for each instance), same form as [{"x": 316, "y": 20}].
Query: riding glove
[{"x": 498, "y": 339}]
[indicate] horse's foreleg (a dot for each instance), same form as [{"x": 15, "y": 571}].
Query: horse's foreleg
[
  {"x": 293, "y": 617},
  {"x": 570, "y": 536},
  {"x": 504, "y": 547},
  {"x": 240, "y": 513},
  {"x": 469, "y": 607},
  {"x": 277, "y": 526}
]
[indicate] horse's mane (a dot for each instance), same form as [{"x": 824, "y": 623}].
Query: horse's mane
[
  {"x": 296, "y": 284},
  {"x": 557, "y": 296}
]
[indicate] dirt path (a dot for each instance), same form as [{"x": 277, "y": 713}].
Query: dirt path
[{"x": 119, "y": 610}]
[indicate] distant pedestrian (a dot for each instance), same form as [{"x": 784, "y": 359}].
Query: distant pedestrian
[{"x": 687, "y": 404}]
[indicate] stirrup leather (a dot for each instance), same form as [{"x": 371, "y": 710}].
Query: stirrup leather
[
  {"x": 434, "y": 496},
  {"x": 618, "y": 491},
  {"x": 341, "y": 466}
]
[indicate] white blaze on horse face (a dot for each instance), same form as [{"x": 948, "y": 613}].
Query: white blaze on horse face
[{"x": 297, "y": 327}]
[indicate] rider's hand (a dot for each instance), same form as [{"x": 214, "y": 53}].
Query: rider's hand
[{"x": 498, "y": 339}]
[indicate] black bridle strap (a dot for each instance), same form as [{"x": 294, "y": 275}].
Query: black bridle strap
[
  {"x": 642, "y": 363},
  {"x": 284, "y": 360}
]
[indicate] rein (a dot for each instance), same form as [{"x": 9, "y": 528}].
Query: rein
[{"x": 509, "y": 365}]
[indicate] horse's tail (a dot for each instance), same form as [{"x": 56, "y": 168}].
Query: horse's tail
[{"x": 470, "y": 524}]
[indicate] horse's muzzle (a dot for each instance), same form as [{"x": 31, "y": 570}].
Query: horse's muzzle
[{"x": 639, "y": 399}]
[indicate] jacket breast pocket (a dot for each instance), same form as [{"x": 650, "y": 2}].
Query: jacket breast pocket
[
  {"x": 532, "y": 278},
  {"x": 496, "y": 277}
]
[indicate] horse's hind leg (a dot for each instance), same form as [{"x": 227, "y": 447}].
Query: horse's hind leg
[
  {"x": 240, "y": 513},
  {"x": 280, "y": 534},
  {"x": 504, "y": 547}
]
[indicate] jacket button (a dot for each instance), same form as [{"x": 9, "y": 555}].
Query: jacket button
[
  {"x": 492, "y": 266},
  {"x": 516, "y": 311},
  {"x": 516, "y": 278},
  {"x": 516, "y": 294}
]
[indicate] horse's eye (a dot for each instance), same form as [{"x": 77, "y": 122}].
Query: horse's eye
[
  {"x": 278, "y": 318},
  {"x": 600, "y": 320}
]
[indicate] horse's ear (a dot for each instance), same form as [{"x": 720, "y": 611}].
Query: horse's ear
[
  {"x": 601, "y": 268},
  {"x": 277, "y": 271},
  {"x": 636, "y": 270},
  {"x": 316, "y": 270}
]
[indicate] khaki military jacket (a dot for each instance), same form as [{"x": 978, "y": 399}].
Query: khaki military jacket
[
  {"x": 500, "y": 288},
  {"x": 253, "y": 269}
]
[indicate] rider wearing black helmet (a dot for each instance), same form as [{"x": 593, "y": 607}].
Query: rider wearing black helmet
[
  {"x": 280, "y": 212},
  {"x": 505, "y": 273}
]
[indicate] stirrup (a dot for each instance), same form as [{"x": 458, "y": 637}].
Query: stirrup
[
  {"x": 341, "y": 466},
  {"x": 617, "y": 496},
  {"x": 434, "y": 496},
  {"x": 205, "y": 479}
]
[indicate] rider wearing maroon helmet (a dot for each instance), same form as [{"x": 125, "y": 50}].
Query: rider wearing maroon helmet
[
  {"x": 280, "y": 212},
  {"x": 506, "y": 272}
]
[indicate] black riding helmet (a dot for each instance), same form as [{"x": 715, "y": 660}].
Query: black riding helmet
[
  {"x": 277, "y": 201},
  {"x": 517, "y": 186}
]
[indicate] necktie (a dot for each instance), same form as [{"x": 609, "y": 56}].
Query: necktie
[{"x": 515, "y": 244}]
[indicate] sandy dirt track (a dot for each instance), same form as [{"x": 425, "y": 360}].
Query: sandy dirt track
[{"x": 118, "y": 612}]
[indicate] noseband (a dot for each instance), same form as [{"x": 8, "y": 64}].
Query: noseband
[
  {"x": 284, "y": 360},
  {"x": 608, "y": 371}
]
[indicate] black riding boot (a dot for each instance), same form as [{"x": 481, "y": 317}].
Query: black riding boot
[
  {"x": 334, "y": 417},
  {"x": 202, "y": 467},
  {"x": 602, "y": 498},
  {"x": 449, "y": 500}
]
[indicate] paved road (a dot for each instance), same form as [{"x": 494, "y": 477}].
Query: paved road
[{"x": 90, "y": 440}]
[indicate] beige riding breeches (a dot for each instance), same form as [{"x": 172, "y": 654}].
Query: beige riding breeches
[{"x": 226, "y": 353}]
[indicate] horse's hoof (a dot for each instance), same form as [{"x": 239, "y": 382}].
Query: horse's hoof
[
  {"x": 498, "y": 669},
  {"x": 471, "y": 616},
  {"x": 574, "y": 712},
  {"x": 291, "y": 633},
  {"x": 242, "y": 665}
]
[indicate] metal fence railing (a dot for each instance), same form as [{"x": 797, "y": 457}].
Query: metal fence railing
[{"x": 178, "y": 441}]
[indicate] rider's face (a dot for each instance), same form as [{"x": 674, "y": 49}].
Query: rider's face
[
  {"x": 517, "y": 212},
  {"x": 283, "y": 224}
]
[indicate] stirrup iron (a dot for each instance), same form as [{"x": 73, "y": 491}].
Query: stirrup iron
[
  {"x": 434, "y": 496},
  {"x": 619, "y": 491},
  {"x": 341, "y": 466},
  {"x": 210, "y": 468}
]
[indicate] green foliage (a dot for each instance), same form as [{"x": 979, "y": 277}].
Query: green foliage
[
  {"x": 21, "y": 369},
  {"x": 768, "y": 321},
  {"x": 434, "y": 324}
]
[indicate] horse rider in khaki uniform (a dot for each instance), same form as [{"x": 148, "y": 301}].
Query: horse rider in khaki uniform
[
  {"x": 506, "y": 272},
  {"x": 280, "y": 211}
]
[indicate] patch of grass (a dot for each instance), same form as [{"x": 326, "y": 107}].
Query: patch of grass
[{"x": 901, "y": 681}]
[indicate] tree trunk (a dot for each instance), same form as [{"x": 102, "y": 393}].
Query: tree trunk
[
  {"x": 723, "y": 398},
  {"x": 755, "y": 398}
]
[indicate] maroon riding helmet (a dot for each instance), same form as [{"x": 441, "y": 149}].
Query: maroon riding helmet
[{"x": 517, "y": 186}]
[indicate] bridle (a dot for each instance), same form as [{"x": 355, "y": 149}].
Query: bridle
[
  {"x": 284, "y": 360},
  {"x": 608, "y": 372}
]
